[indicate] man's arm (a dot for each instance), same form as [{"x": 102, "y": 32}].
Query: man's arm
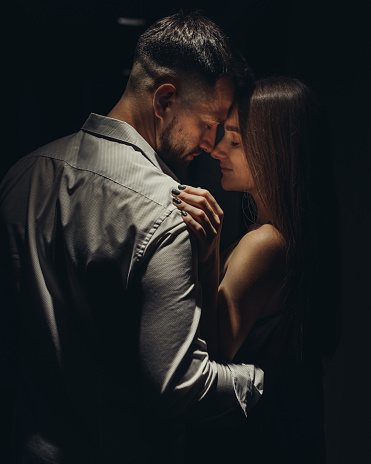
[{"x": 175, "y": 365}]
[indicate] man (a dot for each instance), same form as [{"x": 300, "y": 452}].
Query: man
[{"x": 104, "y": 271}]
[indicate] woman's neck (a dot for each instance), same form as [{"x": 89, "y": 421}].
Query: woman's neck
[{"x": 264, "y": 215}]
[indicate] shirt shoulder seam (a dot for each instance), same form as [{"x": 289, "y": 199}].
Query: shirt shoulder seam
[
  {"x": 167, "y": 211},
  {"x": 100, "y": 175}
]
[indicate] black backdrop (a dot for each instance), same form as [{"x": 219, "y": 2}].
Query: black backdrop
[{"x": 65, "y": 59}]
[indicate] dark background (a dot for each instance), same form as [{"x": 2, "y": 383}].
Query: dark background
[{"x": 64, "y": 59}]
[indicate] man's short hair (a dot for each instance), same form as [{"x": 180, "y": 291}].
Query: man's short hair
[{"x": 189, "y": 44}]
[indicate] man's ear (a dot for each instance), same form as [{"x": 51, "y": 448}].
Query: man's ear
[{"x": 163, "y": 99}]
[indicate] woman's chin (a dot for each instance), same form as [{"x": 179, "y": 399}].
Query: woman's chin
[
  {"x": 228, "y": 186},
  {"x": 224, "y": 185}
]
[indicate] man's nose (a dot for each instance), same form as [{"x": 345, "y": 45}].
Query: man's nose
[{"x": 208, "y": 140}]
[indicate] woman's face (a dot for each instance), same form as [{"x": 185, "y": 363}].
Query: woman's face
[{"x": 233, "y": 164}]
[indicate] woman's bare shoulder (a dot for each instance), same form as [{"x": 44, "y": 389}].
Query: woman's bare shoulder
[
  {"x": 266, "y": 239},
  {"x": 261, "y": 249},
  {"x": 259, "y": 253}
]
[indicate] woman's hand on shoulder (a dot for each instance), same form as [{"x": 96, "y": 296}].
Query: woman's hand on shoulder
[{"x": 203, "y": 215}]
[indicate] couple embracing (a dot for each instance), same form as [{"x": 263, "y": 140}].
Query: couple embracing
[{"x": 126, "y": 318}]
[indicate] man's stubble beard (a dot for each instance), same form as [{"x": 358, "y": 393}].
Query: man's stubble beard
[{"x": 173, "y": 153}]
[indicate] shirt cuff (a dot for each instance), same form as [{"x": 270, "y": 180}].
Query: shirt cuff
[{"x": 248, "y": 382}]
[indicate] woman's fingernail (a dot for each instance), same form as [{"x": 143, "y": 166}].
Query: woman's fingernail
[
  {"x": 183, "y": 213},
  {"x": 175, "y": 192},
  {"x": 181, "y": 186},
  {"x": 177, "y": 201}
]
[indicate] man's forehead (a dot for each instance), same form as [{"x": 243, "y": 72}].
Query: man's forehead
[
  {"x": 219, "y": 101},
  {"x": 214, "y": 113}
]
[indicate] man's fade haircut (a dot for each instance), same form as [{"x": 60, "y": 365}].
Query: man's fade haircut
[{"x": 190, "y": 45}]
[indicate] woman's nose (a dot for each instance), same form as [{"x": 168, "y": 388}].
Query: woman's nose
[{"x": 218, "y": 152}]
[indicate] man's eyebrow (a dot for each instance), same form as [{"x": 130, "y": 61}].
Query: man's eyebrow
[{"x": 232, "y": 128}]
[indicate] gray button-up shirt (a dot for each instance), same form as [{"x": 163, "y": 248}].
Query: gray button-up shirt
[{"x": 108, "y": 305}]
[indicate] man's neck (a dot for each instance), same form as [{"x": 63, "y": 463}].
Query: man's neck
[{"x": 138, "y": 115}]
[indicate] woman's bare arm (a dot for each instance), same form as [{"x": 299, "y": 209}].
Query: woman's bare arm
[{"x": 250, "y": 286}]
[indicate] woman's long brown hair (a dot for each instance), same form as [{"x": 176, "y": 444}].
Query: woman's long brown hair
[{"x": 287, "y": 146}]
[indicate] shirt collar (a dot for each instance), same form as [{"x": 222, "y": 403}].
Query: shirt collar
[{"x": 121, "y": 131}]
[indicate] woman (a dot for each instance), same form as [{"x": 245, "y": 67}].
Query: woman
[{"x": 269, "y": 303}]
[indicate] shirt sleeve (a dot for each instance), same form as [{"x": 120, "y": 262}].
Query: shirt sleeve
[{"x": 176, "y": 370}]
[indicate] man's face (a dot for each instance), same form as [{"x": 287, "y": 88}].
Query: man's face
[{"x": 192, "y": 129}]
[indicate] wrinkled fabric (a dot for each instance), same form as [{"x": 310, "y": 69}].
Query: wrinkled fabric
[{"x": 106, "y": 306}]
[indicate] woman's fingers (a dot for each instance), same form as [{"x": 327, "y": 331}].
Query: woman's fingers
[
  {"x": 203, "y": 216},
  {"x": 201, "y": 212},
  {"x": 200, "y": 193},
  {"x": 195, "y": 227},
  {"x": 197, "y": 219},
  {"x": 204, "y": 203}
]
